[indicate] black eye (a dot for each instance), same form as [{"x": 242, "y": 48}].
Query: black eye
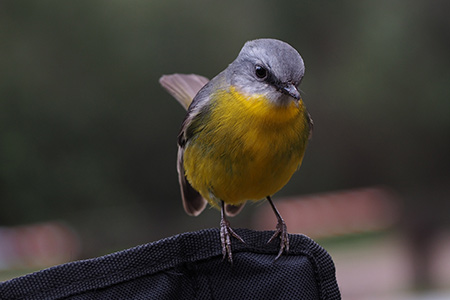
[{"x": 260, "y": 72}]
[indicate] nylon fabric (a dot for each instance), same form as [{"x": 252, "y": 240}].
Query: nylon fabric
[{"x": 189, "y": 266}]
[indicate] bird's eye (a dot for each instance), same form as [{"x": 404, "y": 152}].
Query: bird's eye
[{"x": 260, "y": 72}]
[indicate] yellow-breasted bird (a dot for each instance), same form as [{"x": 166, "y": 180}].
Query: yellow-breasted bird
[{"x": 244, "y": 134}]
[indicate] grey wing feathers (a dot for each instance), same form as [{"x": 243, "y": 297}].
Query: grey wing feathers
[
  {"x": 232, "y": 210},
  {"x": 183, "y": 87},
  {"x": 311, "y": 125}
]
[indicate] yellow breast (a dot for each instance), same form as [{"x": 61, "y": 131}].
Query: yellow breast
[{"x": 246, "y": 148}]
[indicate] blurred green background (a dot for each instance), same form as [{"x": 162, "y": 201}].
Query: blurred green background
[{"x": 87, "y": 135}]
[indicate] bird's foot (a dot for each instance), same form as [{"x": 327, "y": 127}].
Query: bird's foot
[
  {"x": 225, "y": 237},
  {"x": 281, "y": 231}
]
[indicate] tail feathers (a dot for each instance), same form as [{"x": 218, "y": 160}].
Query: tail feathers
[{"x": 183, "y": 87}]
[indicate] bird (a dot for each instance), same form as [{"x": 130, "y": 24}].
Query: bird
[{"x": 244, "y": 135}]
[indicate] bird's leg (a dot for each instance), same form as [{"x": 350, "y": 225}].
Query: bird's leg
[
  {"x": 225, "y": 232},
  {"x": 281, "y": 230}
]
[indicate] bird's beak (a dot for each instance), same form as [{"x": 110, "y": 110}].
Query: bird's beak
[{"x": 291, "y": 90}]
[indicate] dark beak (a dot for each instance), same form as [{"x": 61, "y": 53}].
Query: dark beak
[{"x": 291, "y": 90}]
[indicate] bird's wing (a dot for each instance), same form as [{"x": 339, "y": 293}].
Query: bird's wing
[
  {"x": 183, "y": 87},
  {"x": 310, "y": 123},
  {"x": 193, "y": 202},
  {"x": 232, "y": 210}
]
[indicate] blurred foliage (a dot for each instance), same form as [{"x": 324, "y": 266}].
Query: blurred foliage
[{"x": 87, "y": 135}]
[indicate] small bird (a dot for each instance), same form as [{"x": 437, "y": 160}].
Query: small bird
[{"x": 244, "y": 134}]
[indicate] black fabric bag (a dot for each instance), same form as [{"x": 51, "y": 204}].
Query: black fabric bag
[{"x": 190, "y": 266}]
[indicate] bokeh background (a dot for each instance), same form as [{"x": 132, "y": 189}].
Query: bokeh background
[{"x": 88, "y": 137}]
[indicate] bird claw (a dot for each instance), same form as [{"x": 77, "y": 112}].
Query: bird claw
[
  {"x": 281, "y": 230},
  {"x": 225, "y": 237}
]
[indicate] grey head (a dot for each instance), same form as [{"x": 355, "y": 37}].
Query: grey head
[{"x": 269, "y": 67}]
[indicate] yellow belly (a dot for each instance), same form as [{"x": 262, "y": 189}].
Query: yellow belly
[{"x": 246, "y": 148}]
